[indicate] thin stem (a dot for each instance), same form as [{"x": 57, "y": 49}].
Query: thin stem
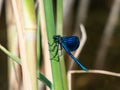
[
  {"x": 88, "y": 72},
  {"x": 82, "y": 43},
  {"x": 16, "y": 59},
  {"x": 59, "y": 31},
  {"x": 96, "y": 72}
]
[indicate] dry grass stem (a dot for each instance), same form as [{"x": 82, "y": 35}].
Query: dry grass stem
[
  {"x": 107, "y": 34},
  {"x": 82, "y": 43},
  {"x": 89, "y": 72},
  {"x": 21, "y": 38}
]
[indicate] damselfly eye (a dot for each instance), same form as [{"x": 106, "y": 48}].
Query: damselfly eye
[
  {"x": 71, "y": 42},
  {"x": 57, "y": 38}
]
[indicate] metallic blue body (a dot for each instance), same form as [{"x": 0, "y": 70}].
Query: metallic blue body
[{"x": 70, "y": 44}]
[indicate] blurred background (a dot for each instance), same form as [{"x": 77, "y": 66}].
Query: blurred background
[{"x": 101, "y": 19}]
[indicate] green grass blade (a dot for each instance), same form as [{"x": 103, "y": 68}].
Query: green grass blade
[
  {"x": 59, "y": 22},
  {"x": 55, "y": 64},
  {"x": 45, "y": 80},
  {"x": 59, "y": 31},
  {"x": 15, "y": 58},
  {"x": 38, "y": 40}
]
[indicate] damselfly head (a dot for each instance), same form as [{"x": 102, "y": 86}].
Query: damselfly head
[{"x": 57, "y": 39}]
